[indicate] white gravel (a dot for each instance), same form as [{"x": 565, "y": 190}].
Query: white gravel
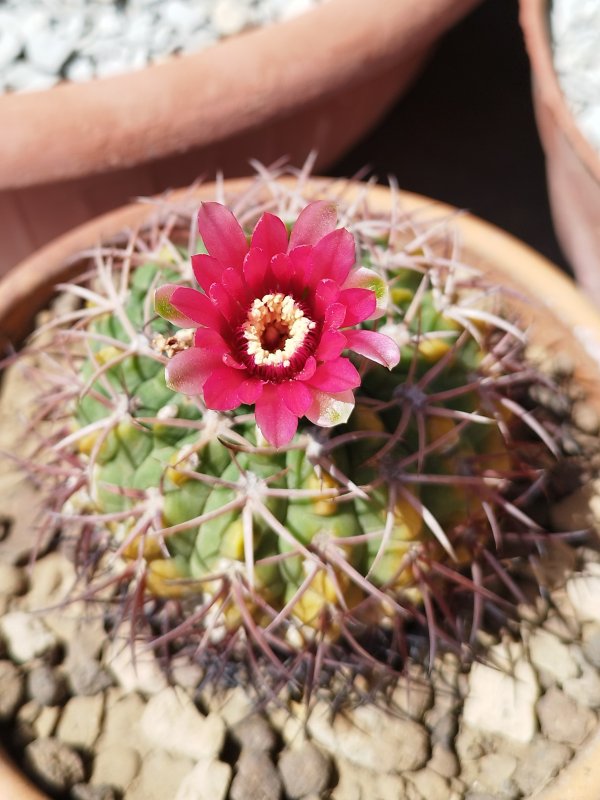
[
  {"x": 45, "y": 41},
  {"x": 576, "y": 39}
]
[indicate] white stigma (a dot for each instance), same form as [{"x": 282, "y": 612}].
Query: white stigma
[{"x": 275, "y": 329}]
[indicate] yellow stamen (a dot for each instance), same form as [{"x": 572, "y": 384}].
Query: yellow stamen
[{"x": 275, "y": 329}]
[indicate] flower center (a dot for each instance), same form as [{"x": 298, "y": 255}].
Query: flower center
[{"x": 275, "y": 330}]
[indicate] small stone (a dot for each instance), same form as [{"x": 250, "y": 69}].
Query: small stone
[
  {"x": 585, "y": 417},
  {"x": 12, "y": 579},
  {"x": 542, "y": 762},
  {"x": 87, "y": 676},
  {"x": 255, "y": 733},
  {"x": 135, "y": 668},
  {"x": 48, "y": 52},
  {"x": 584, "y": 689},
  {"x": 209, "y": 780},
  {"x": 590, "y": 636},
  {"x": 12, "y": 691},
  {"x": 443, "y": 761},
  {"x": 116, "y": 765},
  {"x": 304, "y": 771},
  {"x": 80, "y": 69},
  {"x": 502, "y": 700},
  {"x": 231, "y": 17},
  {"x": 550, "y": 655},
  {"x": 494, "y": 775},
  {"x": 56, "y": 765},
  {"x": 80, "y": 721},
  {"x": 83, "y": 791},
  {"x": 11, "y": 42},
  {"x": 172, "y": 721},
  {"x": 562, "y": 719},
  {"x": 371, "y": 738},
  {"x": 430, "y": 784},
  {"x": 413, "y": 694},
  {"x": 45, "y": 722},
  {"x": 46, "y": 686},
  {"x": 122, "y": 713},
  {"x": 52, "y": 579},
  {"x": 355, "y": 783},
  {"x": 583, "y": 590},
  {"x": 256, "y": 778},
  {"x": 160, "y": 777},
  {"x": 232, "y": 706},
  {"x": 26, "y": 636}
]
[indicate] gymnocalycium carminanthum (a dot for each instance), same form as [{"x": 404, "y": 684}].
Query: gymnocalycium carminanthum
[{"x": 301, "y": 442}]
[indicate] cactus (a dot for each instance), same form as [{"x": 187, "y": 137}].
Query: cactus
[{"x": 395, "y": 507}]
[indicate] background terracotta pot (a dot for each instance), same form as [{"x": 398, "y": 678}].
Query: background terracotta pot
[
  {"x": 559, "y": 315},
  {"x": 572, "y": 164},
  {"x": 319, "y": 81}
]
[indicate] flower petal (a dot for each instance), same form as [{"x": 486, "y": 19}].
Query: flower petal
[
  {"x": 331, "y": 345},
  {"x": 335, "y": 376},
  {"x": 360, "y": 304},
  {"x": 277, "y": 423},
  {"x": 222, "y": 235},
  {"x": 187, "y": 371},
  {"x": 256, "y": 269},
  {"x": 297, "y": 396},
  {"x": 222, "y": 388},
  {"x": 334, "y": 316},
  {"x": 250, "y": 390},
  {"x": 270, "y": 234},
  {"x": 326, "y": 293},
  {"x": 333, "y": 257},
  {"x": 314, "y": 221},
  {"x": 282, "y": 270},
  {"x": 376, "y": 346},
  {"x": 163, "y": 305},
  {"x": 196, "y": 306},
  {"x": 207, "y": 270},
  {"x": 224, "y": 302},
  {"x": 327, "y": 410},
  {"x": 308, "y": 370},
  {"x": 234, "y": 283},
  {"x": 209, "y": 339},
  {"x": 364, "y": 278}
]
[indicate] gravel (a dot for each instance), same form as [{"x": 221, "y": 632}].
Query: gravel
[
  {"x": 42, "y": 43},
  {"x": 576, "y": 40}
]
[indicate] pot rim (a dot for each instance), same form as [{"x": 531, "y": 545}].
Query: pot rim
[
  {"x": 488, "y": 247},
  {"x": 234, "y": 86},
  {"x": 534, "y": 21}
]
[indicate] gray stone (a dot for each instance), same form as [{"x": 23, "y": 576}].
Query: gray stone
[
  {"x": 46, "y": 685},
  {"x": 209, "y": 780},
  {"x": 12, "y": 691},
  {"x": 56, "y": 765},
  {"x": 562, "y": 719},
  {"x": 172, "y": 721},
  {"x": 304, "y": 770},
  {"x": 256, "y": 778},
  {"x": 87, "y": 676},
  {"x": 254, "y": 733},
  {"x": 26, "y": 636}
]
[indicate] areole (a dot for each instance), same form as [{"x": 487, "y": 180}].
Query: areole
[{"x": 541, "y": 292}]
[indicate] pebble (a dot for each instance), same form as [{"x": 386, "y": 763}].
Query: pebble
[
  {"x": 209, "y": 780},
  {"x": 430, "y": 784},
  {"x": 256, "y": 778},
  {"x": 26, "y": 636},
  {"x": 443, "y": 761},
  {"x": 86, "y": 676},
  {"x": 502, "y": 699},
  {"x": 46, "y": 686},
  {"x": 371, "y": 738},
  {"x": 304, "y": 770},
  {"x": 160, "y": 776},
  {"x": 583, "y": 590},
  {"x": 56, "y": 765},
  {"x": 542, "y": 761},
  {"x": 80, "y": 721},
  {"x": 135, "y": 668},
  {"x": 551, "y": 656},
  {"x": 13, "y": 689},
  {"x": 590, "y": 636},
  {"x": 413, "y": 695},
  {"x": 43, "y": 42},
  {"x": 254, "y": 733},
  {"x": 562, "y": 719},
  {"x": 12, "y": 579},
  {"x": 45, "y": 722},
  {"x": 83, "y": 791},
  {"x": 116, "y": 764},
  {"x": 494, "y": 775},
  {"x": 172, "y": 721}
]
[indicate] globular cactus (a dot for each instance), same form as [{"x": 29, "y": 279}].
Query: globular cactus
[{"x": 271, "y": 516}]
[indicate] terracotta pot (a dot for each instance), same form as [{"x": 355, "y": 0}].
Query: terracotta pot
[
  {"x": 572, "y": 164},
  {"x": 319, "y": 81},
  {"x": 559, "y": 315}
]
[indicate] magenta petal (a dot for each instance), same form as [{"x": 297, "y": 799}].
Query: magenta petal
[
  {"x": 270, "y": 235},
  {"x": 297, "y": 396},
  {"x": 282, "y": 270},
  {"x": 333, "y": 257},
  {"x": 207, "y": 270},
  {"x": 208, "y": 339},
  {"x": 250, "y": 390},
  {"x": 308, "y": 370},
  {"x": 334, "y": 316},
  {"x": 221, "y": 390},
  {"x": 360, "y": 304},
  {"x": 326, "y": 293},
  {"x": 196, "y": 306},
  {"x": 222, "y": 235},
  {"x": 315, "y": 221},
  {"x": 335, "y": 376},
  {"x": 230, "y": 361},
  {"x": 163, "y": 305},
  {"x": 234, "y": 283},
  {"x": 224, "y": 302},
  {"x": 331, "y": 345},
  {"x": 277, "y": 423},
  {"x": 376, "y": 346},
  {"x": 188, "y": 370},
  {"x": 299, "y": 265},
  {"x": 256, "y": 269}
]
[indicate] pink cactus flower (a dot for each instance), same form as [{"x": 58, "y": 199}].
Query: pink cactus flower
[{"x": 274, "y": 317}]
